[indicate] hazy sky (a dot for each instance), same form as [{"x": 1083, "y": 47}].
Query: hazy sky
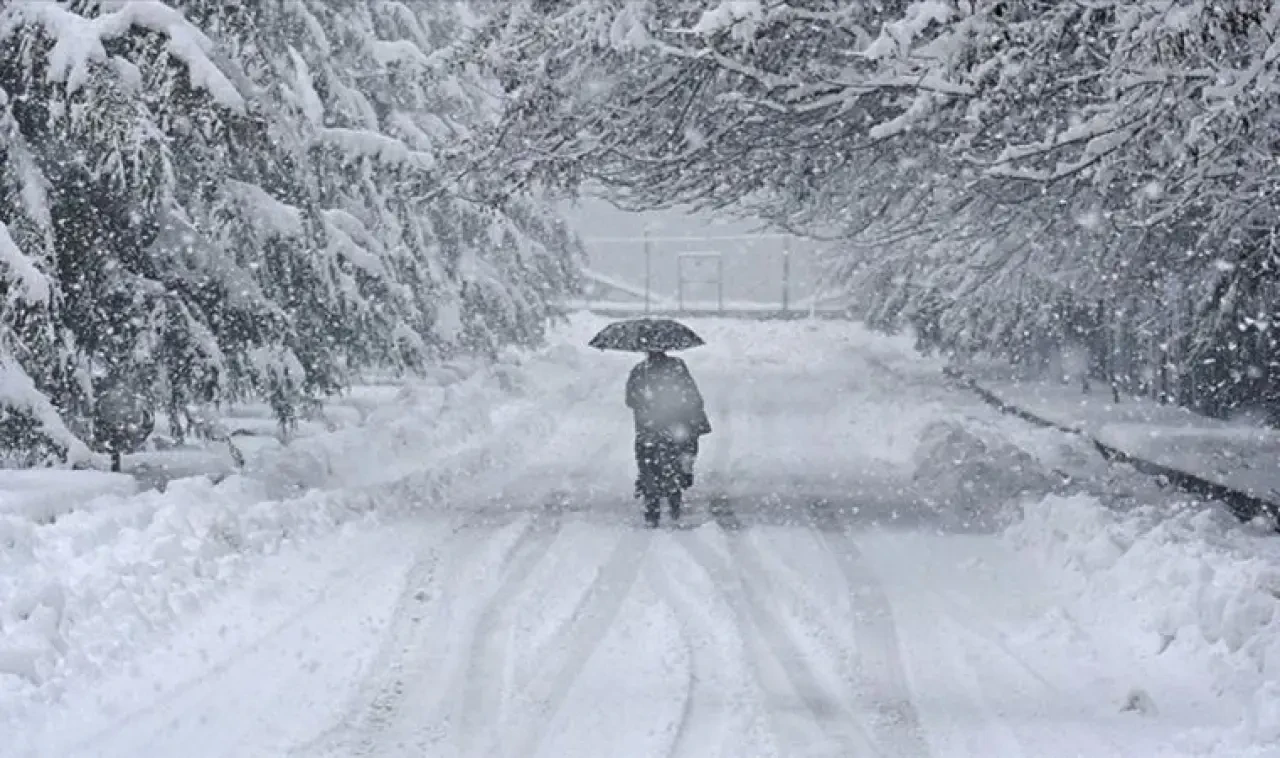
[{"x": 753, "y": 268}]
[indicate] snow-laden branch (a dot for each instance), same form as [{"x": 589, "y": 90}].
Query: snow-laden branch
[
  {"x": 78, "y": 42},
  {"x": 22, "y": 277},
  {"x": 18, "y": 391},
  {"x": 361, "y": 143}
]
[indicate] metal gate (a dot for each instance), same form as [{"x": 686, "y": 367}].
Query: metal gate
[{"x": 700, "y": 268}]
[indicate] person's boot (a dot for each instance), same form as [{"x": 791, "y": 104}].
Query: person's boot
[
  {"x": 686, "y": 470},
  {"x": 652, "y": 512}
]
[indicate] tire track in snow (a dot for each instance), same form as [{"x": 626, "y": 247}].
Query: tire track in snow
[
  {"x": 987, "y": 645},
  {"x": 766, "y": 641},
  {"x": 884, "y": 693},
  {"x": 693, "y": 694},
  {"x": 378, "y": 725},
  {"x": 716, "y": 719},
  {"x": 692, "y": 733},
  {"x": 174, "y": 704},
  {"x": 753, "y": 571},
  {"x": 825, "y": 710},
  {"x": 375, "y": 708},
  {"x": 486, "y": 657},
  {"x": 847, "y": 728},
  {"x": 719, "y": 507},
  {"x": 455, "y": 712},
  {"x": 547, "y": 688},
  {"x": 378, "y": 698},
  {"x": 985, "y": 729}
]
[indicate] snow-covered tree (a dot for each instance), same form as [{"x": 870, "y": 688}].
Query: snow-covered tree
[
  {"x": 225, "y": 201},
  {"x": 1016, "y": 173}
]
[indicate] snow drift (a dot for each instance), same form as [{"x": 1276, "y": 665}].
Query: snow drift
[
  {"x": 116, "y": 571},
  {"x": 967, "y": 472},
  {"x": 1186, "y": 591}
]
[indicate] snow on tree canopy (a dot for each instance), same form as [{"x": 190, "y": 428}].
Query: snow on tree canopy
[
  {"x": 448, "y": 324},
  {"x": 79, "y": 42},
  {"x": 628, "y": 30},
  {"x": 305, "y": 91},
  {"x": 371, "y": 144},
  {"x": 32, "y": 185},
  {"x": 740, "y": 17},
  {"x": 268, "y": 215},
  {"x": 277, "y": 364},
  {"x": 220, "y": 254},
  {"x": 390, "y": 52},
  {"x": 897, "y": 38},
  {"x": 351, "y": 239},
  {"x": 17, "y": 390},
  {"x": 409, "y": 128},
  {"x": 23, "y": 277}
]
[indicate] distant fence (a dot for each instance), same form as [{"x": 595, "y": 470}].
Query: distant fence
[
  {"x": 613, "y": 296},
  {"x": 752, "y": 311},
  {"x": 730, "y": 274}
]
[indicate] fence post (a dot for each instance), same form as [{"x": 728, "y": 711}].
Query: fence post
[
  {"x": 786, "y": 276},
  {"x": 648, "y": 268},
  {"x": 720, "y": 282}
]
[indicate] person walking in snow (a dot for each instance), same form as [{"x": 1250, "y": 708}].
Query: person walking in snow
[{"x": 669, "y": 419}]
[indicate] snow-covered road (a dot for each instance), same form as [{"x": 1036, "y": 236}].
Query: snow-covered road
[{"x": 809, "y": 604}]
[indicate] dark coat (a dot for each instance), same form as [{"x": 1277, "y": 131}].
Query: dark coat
[{"x": 665, "y": 399}]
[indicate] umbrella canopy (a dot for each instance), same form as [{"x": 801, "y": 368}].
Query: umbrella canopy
[{"x": 643, "y": 335}]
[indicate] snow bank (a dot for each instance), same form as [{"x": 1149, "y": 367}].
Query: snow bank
[
  {"x": 1188, "y": 593},
  {"x": 87, "y": 591},
  {"x": 969, "y": 470},
  {"x": 42, "y": 495},
  {"x": 447, "y": 412}
]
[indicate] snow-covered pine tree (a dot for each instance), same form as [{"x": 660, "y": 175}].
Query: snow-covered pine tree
[
  {"x": 39, "y": 369},
  {"x": 257, "y": 200}
]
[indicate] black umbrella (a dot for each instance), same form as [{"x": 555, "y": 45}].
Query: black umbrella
[{"x": 643, "y": 335}]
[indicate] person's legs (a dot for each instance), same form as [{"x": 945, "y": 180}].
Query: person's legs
[
  {"x": 649, "y": 476},
  {"x": 688, "y": 455},
  {"x": 652, "y": 510},
  {"x": 670, "y": 477}
]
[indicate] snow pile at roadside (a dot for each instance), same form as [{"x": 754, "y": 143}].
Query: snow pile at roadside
[
  {"x": 444, "y": 413},
  {"x": 41, "y": 495},
  {"x": 1190, "y": 594},
  {"x": 975, "y": 471},
  {"x": 84, "y": 592}
]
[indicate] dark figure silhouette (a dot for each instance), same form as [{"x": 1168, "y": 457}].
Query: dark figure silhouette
[{"x": 670, "y": 417}]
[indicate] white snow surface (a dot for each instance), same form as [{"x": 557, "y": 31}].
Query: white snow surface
[
  {"x": 1238, "y": 454},
  {"x": 1191, "y": 597},
  {"x": 465, "y": 573}
]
